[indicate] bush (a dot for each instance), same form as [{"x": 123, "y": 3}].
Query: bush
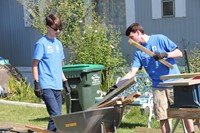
[
  {"x": 194, "y": 60},
  {"x": 21, "y": 91},
  {"x": 96, "y": 43}
]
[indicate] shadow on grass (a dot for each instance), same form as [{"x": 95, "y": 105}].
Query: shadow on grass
[
  {"x": 131, "y": 125},
  {"x": 41, "y": 119}
]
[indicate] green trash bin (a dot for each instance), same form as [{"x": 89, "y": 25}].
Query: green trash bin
[{"x": 85, "y": 80}]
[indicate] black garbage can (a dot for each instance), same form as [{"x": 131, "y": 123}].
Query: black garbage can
[{"x": 85, "y": 80}]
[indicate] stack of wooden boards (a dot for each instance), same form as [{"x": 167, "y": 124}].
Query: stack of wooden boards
[
  {"x": 187, "y": 79},
  {"x": 186, "y": 97},
  {"x": 121, "y": 100},
  {"x": 109, "y": 100}
]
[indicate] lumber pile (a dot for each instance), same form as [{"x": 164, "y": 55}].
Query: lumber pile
[
  {"x": 108, "y": 98},
  {"x": 185, "y": 79},
  {"x": 121, "y": 100}
]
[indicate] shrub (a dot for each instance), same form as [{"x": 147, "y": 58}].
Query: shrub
[
  {"x": 194, "y": 60},
  {"x": 96, "y": 43},
  {"x": 21, "y": 91}
]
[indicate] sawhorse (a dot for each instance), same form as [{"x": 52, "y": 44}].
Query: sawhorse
[
  {"x": 183, "y": 113},
  {"x": 176, "y": 124}
]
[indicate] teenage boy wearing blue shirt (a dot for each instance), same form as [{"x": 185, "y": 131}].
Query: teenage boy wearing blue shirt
[
  {"x": 162, "y": 47},
  {"x": 49, "y": 78}
]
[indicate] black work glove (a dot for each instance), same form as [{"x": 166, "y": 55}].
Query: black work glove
[
  {"x": 111, "y": 89},
  {"x": 66, "y": 87},
  {"x": 37, "y": 89},
  {"x": 158, "y": 55}
]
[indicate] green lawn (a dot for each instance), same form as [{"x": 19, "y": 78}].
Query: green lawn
[
  {"x": 39, "y": 117},
  {"x": 23, "y": 115}
]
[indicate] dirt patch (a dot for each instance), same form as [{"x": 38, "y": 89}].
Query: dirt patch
[
  {"x": 14, "y": 127},
  {"x": 9, "y": 127}
]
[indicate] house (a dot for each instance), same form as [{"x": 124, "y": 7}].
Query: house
[{"x": 177, "y": 19}]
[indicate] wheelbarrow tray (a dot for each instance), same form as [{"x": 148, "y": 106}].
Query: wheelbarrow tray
[{"x": 90, "y": 121}]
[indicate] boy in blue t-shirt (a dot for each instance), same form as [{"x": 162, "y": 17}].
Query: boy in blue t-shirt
[
  {"x": 49, "y": 78},
  {"x": 163, "y": 48}
]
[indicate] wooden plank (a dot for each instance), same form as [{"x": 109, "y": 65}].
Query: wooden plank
[
  {"x": 121, "y": 100},
  {"x": 127, "y": 83},
  {"x": 188, "y": 113},
  {"x": 16, "y": 127},
  {"x": 184, "y": 75},
  {"x": 137, "y": 45},
  {"x": 38, "y": 129},
  {"x": 131, "y": 98},
  {"x": 181, "y": 82},
  {"x": 113, "y": 102}
]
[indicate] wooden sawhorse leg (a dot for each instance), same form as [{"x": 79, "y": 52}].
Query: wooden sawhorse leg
[{"x": 176, "y": 124}]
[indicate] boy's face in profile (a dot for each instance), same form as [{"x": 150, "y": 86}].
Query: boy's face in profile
[{"x": 135, "y": 36}]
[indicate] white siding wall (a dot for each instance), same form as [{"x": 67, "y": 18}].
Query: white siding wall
[{"x": 130, "y": 12}]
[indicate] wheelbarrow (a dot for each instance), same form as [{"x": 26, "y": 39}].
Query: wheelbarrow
[
  {"x": 100, "y": 120},
  {"x": 94, "y": 119}
]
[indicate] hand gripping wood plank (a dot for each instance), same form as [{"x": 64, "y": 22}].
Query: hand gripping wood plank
[
  {"x": 115, "y": 92},
  {"x": 137, "y": 45}
]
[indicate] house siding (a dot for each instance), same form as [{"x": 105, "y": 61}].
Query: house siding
[{"x": 17, "y": 41}]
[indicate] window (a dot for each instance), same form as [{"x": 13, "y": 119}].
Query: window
[{"x": 168, "y": 8}]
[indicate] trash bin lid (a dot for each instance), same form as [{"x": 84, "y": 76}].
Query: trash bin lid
[{"x": 83, "y": 67}]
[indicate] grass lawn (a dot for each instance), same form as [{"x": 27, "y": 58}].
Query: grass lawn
[
  {"x": 39, "y": 117},
  {"x": 23, "y": 115}
]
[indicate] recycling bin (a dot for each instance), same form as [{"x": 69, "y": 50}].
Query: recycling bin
[{"x": 85, "y": 81}]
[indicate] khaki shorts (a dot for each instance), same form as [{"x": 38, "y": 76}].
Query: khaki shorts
[{"x": 162, "y": 98}]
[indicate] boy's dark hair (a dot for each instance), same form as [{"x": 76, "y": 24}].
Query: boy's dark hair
[
  {"x": 53, "y": 19},
  {"x": 133, "y": 28}
]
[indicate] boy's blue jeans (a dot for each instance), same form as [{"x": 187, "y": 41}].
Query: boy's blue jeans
[{"x": 53, "y": 101}]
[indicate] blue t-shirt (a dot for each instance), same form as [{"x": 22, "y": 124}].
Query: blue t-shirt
[
  {"x": 50, "y": 55},
  {"x": 155, "y": 69}
]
